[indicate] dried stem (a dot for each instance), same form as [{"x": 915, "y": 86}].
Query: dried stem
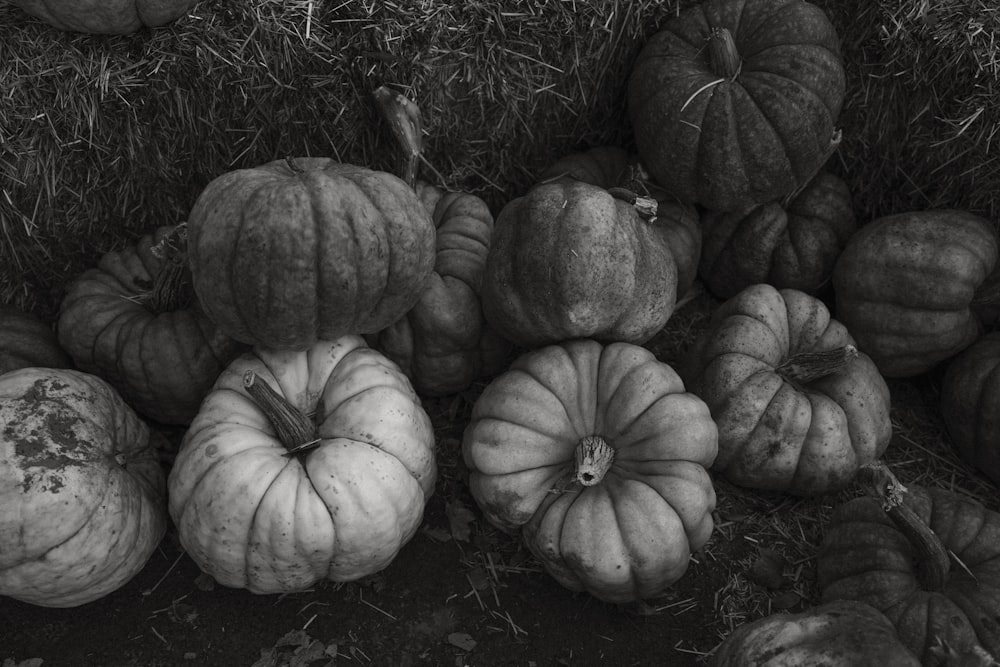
[
  {"x": 294, "y": 429},
  {"x": 594, "y": 457},
  {"x": 404, "y": 119},
  {"x": 806, "y": 367}
]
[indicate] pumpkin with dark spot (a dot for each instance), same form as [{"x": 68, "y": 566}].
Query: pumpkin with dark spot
[{"x": 26, "y": 341}]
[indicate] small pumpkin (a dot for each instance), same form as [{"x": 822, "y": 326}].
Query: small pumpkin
[
  {"x": 116, "y": 17},
  {"x": 596, "y": 456},
  {"x": 735, "y": 104},
  {"x": 799, "y": 408},
  {"x": 81, "y": 487},
  {"x": 295, "y": 251},
  {"x": 303, "y": 466},
  {"x": 970, "y": 404},
  {"x": 133, "y": 320},
  {"x": 890, "y": 549},
  {"x": 789, "y": 243},
  {"x": 842, "y": 633},
  {"x": 906, "y": 286},
  {"x": 27, "y": 341}
]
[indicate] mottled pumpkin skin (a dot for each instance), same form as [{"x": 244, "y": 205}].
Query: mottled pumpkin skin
[
  {"x": 610, "y": 166},
  {"x": 905, "y": 283},
  {"x": 864, "y": 557},
  {"x": 105, "y": 16},
  {"x": 254, "y": 518},
  {"x": 843, "y": 633},
  {"x": 26, "y": 341},
  {"x": 82, "y": 492},
  {"x": 443, "y": 343},
  {"x": 630, "y": 535},
  {"x": 162, "y": 361},
  {"x": 569, "y": 260},
  {"x": 970, "y": 404},
  {"x": 806, "y": 439},
  {"x": 793, "y": 245},
  {"x": 285, "y": 256},
  {"x": 731, "y": 142}
]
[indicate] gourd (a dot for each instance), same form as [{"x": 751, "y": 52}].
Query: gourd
[
  {"x": 27, "y": 341},
  {"x": 81, "y": 487},
  {"x": 596, "y": 457},
  {"x": 133, "y": 320},
  {"x": 303, "y": 466},
  {"x": 906, "y": 286},
  {"x": 798, "y": 406},
  {"x": 735, "y": 104},
  {"x": 105, "y": 16}
]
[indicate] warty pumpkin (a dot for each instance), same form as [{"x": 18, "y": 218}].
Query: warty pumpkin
[
  {"x": 82, "y": 491},
  {"x": 302, "y": 466},
  {"x": 105, "y": 16},
  {"x": 799, "y": 408},
  {"x": 596, "y": 456},
  {"x": 970, "y": 404},
  {"x": 26, "y": 341},
  {"x": 735, "y": 103}
]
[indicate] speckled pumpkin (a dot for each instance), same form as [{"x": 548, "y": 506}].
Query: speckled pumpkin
[{"x": 105, "y": 16}]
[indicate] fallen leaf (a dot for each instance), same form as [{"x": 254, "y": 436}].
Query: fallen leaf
[
  {"x": 767, "y": 570},
  {"x": 786, "y": 600},
  {"x": 204, "y": 582},
  {"x": 460, "y": 520},
  {"x": 462, "y": 640}
]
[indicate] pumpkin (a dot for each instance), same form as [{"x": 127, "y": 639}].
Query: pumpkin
[
  {"x": 890, "y": 549},
  {"x": 105, "y": 16},
  {"x": 575, "y": 260},
  {"x": 27, "y": 341},
  {"x": 789, "y": 243},
  {"x": 303, "y": 466},
  {"x": 133, "y": 321},
  {"x": 597, "y": 457},
  {"x": 836, "y": 634},
  {"x": 295, "y": 251},
  {"x": 81, "y": 487},
  {"x": 610, "y": 167},
  {"x": 799, "y": 408},
  {"x": 906, "y": 285},
  {"x": 970, "y": 404},
  {"x": 734, "y": 103}
]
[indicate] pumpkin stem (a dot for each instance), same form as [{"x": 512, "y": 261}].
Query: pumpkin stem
[
  {"x": 723, "y": 57},
  {"x": 594, "y": 457},
  {"x": 404, "y": 119},
  {"x": 646, "y": 207},
  {"x": 296, "y": 169},
  {"x": 805, "y": 367},
  {"x": 933, "y": 563},
  {"x": 295, "y": 430},
  {"x": 172, "y": 288}
]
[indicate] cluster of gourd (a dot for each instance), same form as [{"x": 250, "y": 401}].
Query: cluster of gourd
[{"x": 294, "y": 321}]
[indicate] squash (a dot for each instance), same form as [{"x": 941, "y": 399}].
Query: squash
[
  {"x": 799, "y": 408},
  {"x": 105, "y": 16},
  {"x": 81, "y": 487},
  {"x": 906, "y": 286},
  {"x": 789, "y": 243},
  {"x": 296, "y": 251},
  {"x": 596, "y": 456},
  {"x": 303, "y": 466},
  {"x": 835, "y": 634},
  {"x": 735, "y": 103},
  {"x": 133, "y": 321},
  {"x": 890, "y": 549},
  {"x": 970, "y": 404},
  {"x": 26, "y": 341}
]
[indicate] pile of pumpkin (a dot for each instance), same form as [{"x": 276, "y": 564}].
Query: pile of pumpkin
[{"x": 294, "y": 322}]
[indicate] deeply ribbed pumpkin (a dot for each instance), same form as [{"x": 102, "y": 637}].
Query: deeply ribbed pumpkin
[
  {"x": 303, "y": 466},
  {"x": 134, "y": 322},
  {"x": 82, "y": 492},
  {"x": 296, "y": 251},
  {"x": 735, "y": 103},
  {"x": 970, "y": 404},
  {"x": 27, "y": 341},
  {"x": 597, "y": 457},
  {"x": 105, "y": 16}
]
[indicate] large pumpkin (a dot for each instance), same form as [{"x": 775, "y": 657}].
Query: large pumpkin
[
  {"x": 734, "y": 103},
  {"x": 296, "y": 251},
  {"x": 575, "y": 260},
  {"x": 970, "y": 404},
  {"x": 906, "y": 286},
  {"x": 799, "y": 409},
  {"x": 303, "y": 466},
  {"x": 105, "y": 16},
  {"x": 27, "y": 341},
  {"x": 788, "y": 243},
  {"x": 597, "y": 457},
  {"x": 82, "y": 493},
  {"x": 133, "y": 321}
]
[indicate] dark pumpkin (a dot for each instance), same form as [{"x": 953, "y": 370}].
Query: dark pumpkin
[
  {"x": 970, "y": 404},
  {"x": 26, "y": 341},
  {"x": 105, "y": 16}
]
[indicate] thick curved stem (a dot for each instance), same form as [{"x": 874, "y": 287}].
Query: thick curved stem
[
  {"x": 723, "y": 57},
  {"x": 646, "y": 207},
  {"x": 805, "y": 367},
  {"x": 172, "y": 288},
  {"x": 405, "y": 121},
  {"x": 594, "y": 457},
  {"x": 295, "y": 430}
]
